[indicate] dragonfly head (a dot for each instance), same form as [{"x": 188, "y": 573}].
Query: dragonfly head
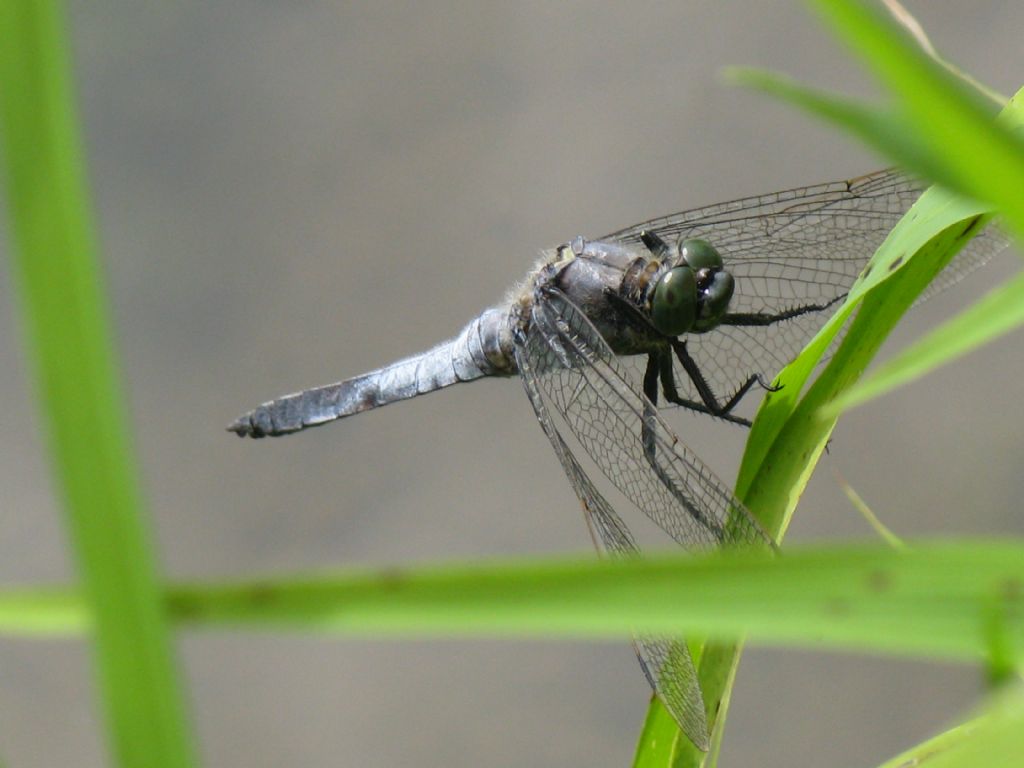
[{"x": 693, "y": 296}]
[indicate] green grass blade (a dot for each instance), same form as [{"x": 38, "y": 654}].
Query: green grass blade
[
  {"x": 44, "y": 612},
  {"x": 916, "y": 250},
  {"x": 933, "y": 599},
  {"x": 913, "y": 27},
  {"x": 794, "y": 439},
  {"x": 894, "y": 132},
  {"x": 789, "y": 430},
  {"x": 883, "y": 531},
  {"x": 997, "y": 313},
  {"x": 67, "y": 336},
  {"x": 880, "y": 128},
  {"x": 795, "y": 442},
  {"x": 954, "y": 121},
  {"x": 657, "y": 744},
  {"x": 994, "y": 739}
]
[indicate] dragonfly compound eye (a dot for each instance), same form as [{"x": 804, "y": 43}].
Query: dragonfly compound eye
[
  {"x": 699, "y": 254},
  {"x": 674, "y": 307},
  {"x": 714, "y": 298}
]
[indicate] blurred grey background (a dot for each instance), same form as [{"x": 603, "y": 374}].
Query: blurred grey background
[{"x": 289, "y": 194}]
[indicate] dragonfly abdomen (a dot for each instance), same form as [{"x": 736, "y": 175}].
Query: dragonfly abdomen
[{"x": 483, "y": 348}]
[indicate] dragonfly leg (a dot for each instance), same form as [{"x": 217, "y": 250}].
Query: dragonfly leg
[
  {"x": 709, "y": 402},
  {"x": 649, "y": 439},
  {"x": 648, "y": 432},
  {"x": 767, "y": 318}
]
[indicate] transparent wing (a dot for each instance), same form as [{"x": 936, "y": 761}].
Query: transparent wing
[
  {"x": 790, "y": 249},
  {"x": 576, "y": 383},
  {"x": 602, "y": 404},
  {"x": 666, "y": 663}
]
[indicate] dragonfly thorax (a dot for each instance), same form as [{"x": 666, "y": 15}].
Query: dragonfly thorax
[{"x": 693, "y": 295}]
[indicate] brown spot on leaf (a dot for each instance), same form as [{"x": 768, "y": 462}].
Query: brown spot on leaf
[
  {"x": 972, "y": 226},
  {"x": 1012, "y": 589},
  {"x": 184, "y": 609},
  {"x": 837, "y": 606},
  {"x": 261, "y": 594},
  {"x": 879, "y": 580},
  {"x": 393, "y": 578}
]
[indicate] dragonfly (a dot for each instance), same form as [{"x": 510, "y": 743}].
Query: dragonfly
[{"x": 693, "y": 310}]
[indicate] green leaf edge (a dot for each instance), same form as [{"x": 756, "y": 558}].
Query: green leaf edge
[
  {"x": 995, "y": 314},
  {"x": 805, "y": 443},
  {"x": 994, "y": 739},
  {"x": 981, "y": 157}
]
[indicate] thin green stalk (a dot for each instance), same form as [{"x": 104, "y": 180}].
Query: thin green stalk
[{"x": 67, "y": 335}]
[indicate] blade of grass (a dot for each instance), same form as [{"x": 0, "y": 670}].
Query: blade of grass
[
  {"x": 937, "y": 118},
  {"x": 884, "y": 129},
  {"x": 787, "y": 437},
  {"x": 44, "y": 612},
  {"x": 937, "y": 227},
  {"x": 994, "y": 739},
  {"x": 933, "y": 599},
  {"x": 880, "y": 528},
  {"x": 653, "y": 749},
  {"x": 918, "y": 248},
  {"x": 905, "y": 19},
  {"x": 790, "y": 434},
  {"x": 1001, "y": 311},
  {"x": 997, "y": 313},
  {"x": 954, "y": 121},
  {"x": 68, "y": 341}
]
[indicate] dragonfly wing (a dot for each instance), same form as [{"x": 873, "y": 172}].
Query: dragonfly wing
[
  {"x": 666, "y": 662},
  {"x": 797, "y": 248},
  {"x": 573, "y": 379},
  {"x": 600, "y": 402}
]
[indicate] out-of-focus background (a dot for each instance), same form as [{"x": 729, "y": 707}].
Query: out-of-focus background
[{"x": 289, "y": 194}]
